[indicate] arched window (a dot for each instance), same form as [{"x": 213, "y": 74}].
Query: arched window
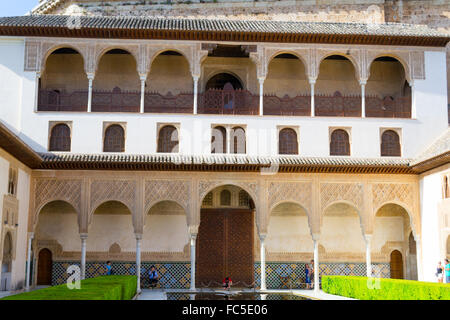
[
  {"x": 237, "y": 143},
  {"x": 287, "y": 141},
  {"x": 114, "y": 139},
  {"x": 219, "y": 140},
  {"x": 60, "y": 138},
  {"x": 168, "y": 139},
  {"x": 244, "y": 199},
  {"x": 339, "y": 143},
  {"x": 225, "y": 198},
  {"x": 390, "y": 144}
]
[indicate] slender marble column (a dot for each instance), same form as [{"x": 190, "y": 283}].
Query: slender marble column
[
  {"x": 261, "y": 96},
  {"x": 83, "y": 237},
  {"x": 195, "y": 93},
  {"x": 316, "y": 263},
  {"x": 36, "y": 98},
  {"x": 368, "y": 238},
  {"x": 91, "y": 79},
  {"x": 312, "y": 82},
  {"x": 262, "y": 238},
  {"x": 363, "y": 98},
  {"x": 142, "y": 106},
  {"x": 419, "y": 258},
  {"x": 138, "y": 261},
  {"x": 29, "y": 262},
  {"x": 193, "y": 243}
]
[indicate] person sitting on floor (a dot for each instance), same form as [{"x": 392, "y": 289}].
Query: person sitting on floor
[
  {"x": 227, "y": 283},
  {"x": 153, "y": 276}
]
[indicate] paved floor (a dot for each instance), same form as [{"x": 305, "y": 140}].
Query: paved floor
[{"x": 161, "y": 294}]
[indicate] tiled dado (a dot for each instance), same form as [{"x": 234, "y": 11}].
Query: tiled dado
[
  {"x": 177, "y": 274},
  {"x": 277, "y": 272},
  {"x": 172, "y": 274}
]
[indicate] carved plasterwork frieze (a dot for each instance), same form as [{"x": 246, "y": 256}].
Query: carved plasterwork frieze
[
  {"x": 334, "y": 192},
  {"x": 47, "y": 190},
  {"x": 113, "y": 190},
  {"x": 298, "y": 192},
  {"x": 392, "y": 192},
  {"x": 178, "y": 191}
]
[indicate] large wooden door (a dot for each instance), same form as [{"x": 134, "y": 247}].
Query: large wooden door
[
  {"x": 44, "y": 276},
  {"x": 396, "y": 265},
  {"x": 225, "y": 247}
]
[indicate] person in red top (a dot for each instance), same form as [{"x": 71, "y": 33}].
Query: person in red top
[{"x": 227, "y": 283}]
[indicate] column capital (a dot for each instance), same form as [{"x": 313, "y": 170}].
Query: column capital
[
  {"x": 316, "y": 236},
  {"x": 262, "y": 236},
  {"x": 143, "y": 76},
  {"x": 193, "y": 230},
  {"x": 195, "y": 77},
  {"x": 138, "y": 236},
  {"x": 31, "y": 235},
  {"x": 90, "y": 75},
  {"x": 261, "y": 80},
  {"x": 363, "y": 82},
  {"x": 368, "y": 237},
  {"x": 312, "y": 80},
  {"x": 83, "y": 236},
  {"x": 38, "y": 74}
]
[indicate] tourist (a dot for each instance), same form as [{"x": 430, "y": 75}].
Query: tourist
[
  {"x": 440, "y": 272},
  {"x": 227, "y": 283},
  {"x": 447, "y": 271},
  {"x": 109, "y": 270},
  {"x": 312, "y": 274},
  {"x": 308, "y": 276},
  {"x": 153, "y": 276}
]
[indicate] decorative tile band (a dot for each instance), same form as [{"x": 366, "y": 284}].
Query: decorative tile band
[
  {"x": 281, "y": 275},
  {"x": 176, "y": 275},
  {"x": 171, "y": 274}
]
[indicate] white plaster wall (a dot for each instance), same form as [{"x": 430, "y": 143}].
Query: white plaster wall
[
  {"x": 165, "y": 233},
  {"x": 387, "y": 229},
  {"x": 23, "y": 196},
  {"x": 289, "y": 234},
  {"x": 107, "y": 229},
  {"x": 62, "y": 227},
  {"x": 342, "y": 234},
  {"x": 430, "y": 100},
  {"x": 430, "y": 196}
]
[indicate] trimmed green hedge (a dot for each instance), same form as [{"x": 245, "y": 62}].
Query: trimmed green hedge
[
  {"x": 100, "y": 288},
  {"x": 389, "y": 289}
]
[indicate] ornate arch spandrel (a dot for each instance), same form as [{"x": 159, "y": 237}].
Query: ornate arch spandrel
[
  {"x": 124, "y": 191},
  {"x": 48, "y": 190},
  {"x": 401, "y": 194},
  {"x": 205, "y": 186},
  {"x": 178, "y": 191}
]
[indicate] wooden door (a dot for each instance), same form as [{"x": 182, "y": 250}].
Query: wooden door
[
  {"x": 396, "y": 265},
  {"x": 225, "y": 247},
  {"x": 44, "y": 276}
]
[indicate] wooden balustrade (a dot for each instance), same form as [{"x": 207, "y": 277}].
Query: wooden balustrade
[
  {"x": 158, "y": 103},
  {"x": 388, "y": 107},
  {"x": 287, "y": 106},
  {"x": 55, "y": 100},
  {"x": 337, "y": 105},
  {"x": 239, "y": 102}
]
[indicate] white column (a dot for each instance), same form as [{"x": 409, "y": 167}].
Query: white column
[
  {"x": 312, "y": 82},
  {"x": 316, "y": 262},
  {"x": 83, "y": 237},
  {"x": 262, "y": 238},
  {"x": 142, "y": 106},
  {"x": 413, "y": 101},
  {"x": 228, "y": 140},
  {"x": 363, "y": 98},
  {"x": 36, "y": 98},
  {"x": 419, "y": 258},
  {"x": 29, "y": 262},
  {"x": 195, "y": 93},
  {"x": 368, "y": 238},
  {"x": 138, "y": 261},
  {"x": 193, "y": 243},
  {"x": 90, "y": 78},
  {"x": 261, "y": 96}
]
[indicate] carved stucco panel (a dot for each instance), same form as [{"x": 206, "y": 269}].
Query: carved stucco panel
[
  {"x": 47, "y": 190},
  {"x": 178, "y": 191},
  {"x": 205, "y": 186},
  {"x": 403, "y": 56},
  {"x": 113, "y": 190},
  {"x": 298, "y": 192},
  {"x": 333, "y": 192},
  {"x": 392, "y": 192}
]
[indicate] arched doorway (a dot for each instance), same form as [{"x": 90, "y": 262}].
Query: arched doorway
[
  {"x": 44, "y": 276},
  {"x": 412, "y": 258},
  {"x": 225, "y": 242},
  {"x": 220, "y": 80},
  {"x": 6, "y": 263},
  {"x": 396, "y": 265}
]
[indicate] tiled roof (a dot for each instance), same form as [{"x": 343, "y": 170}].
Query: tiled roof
[
  {"x": 135, "y": 22},
  {"x": 438, "y": 151},
  {"x": 182, "y": 28}
]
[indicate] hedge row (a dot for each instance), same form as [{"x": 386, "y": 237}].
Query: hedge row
[
  {"x": 388, "y": 289},
  {"x": 100, "y": 288}
]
